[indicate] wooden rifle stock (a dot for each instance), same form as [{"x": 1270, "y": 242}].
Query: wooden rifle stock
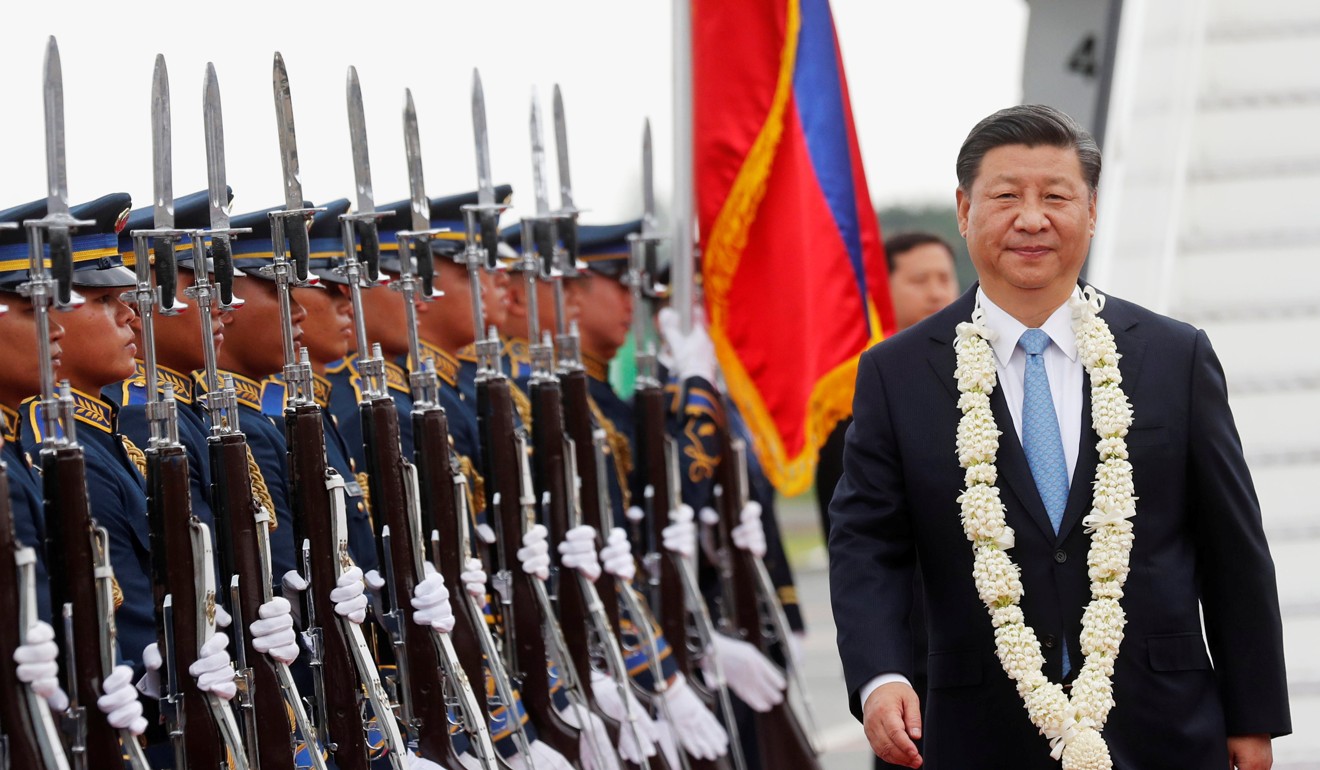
[
  {"x": 499, "y": 449},
  {"x": 783, "y": 743},
  {"x": 70, "y": 550},
  {"x": 422, "y": 691},
  {"x": 436, "y": 488},
  {"x": 322, "y": 554},
  {"x": 169, "y": 512},
  {"x": 29, "y": 732},
  {"x": 244, "y": 574},
  {"x": 667, "y": 599}
]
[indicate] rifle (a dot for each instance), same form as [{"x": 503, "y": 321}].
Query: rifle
[
  {"x": 750, "y": 609},
  {"x": 266, "y": 690},
  {"x": 200, "y": 726},
  {"x": 421, "y": 652},
  {"x": 341, "y": 663},
  {"x": 674, "y": 592},
  {"x": 79, "y": 561},
  {"x": 30, "y": 739}
]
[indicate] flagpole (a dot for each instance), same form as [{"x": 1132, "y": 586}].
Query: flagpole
[{"x": 684, "y": 226}]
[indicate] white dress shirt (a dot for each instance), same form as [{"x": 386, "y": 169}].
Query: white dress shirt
[{"x": 1065, "y": 373}]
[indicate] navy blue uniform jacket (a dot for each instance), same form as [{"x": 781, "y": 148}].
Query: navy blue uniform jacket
[{"x": 1199, "y": 547}]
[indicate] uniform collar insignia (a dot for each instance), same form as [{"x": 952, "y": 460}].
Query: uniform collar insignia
[
  {"x": 88, "y": 410},
  {"x": 397, "y": 378},
  {"x": 247, "y": 391},
  {"x": 11, "y": 424},
  {"x": 468, "y": 353},
  {"x": 183, "y": 384},
  {"x": 446, "y": 364},
  {"x": 597, "y": 368},
  {"x": 321, "y": 390}
]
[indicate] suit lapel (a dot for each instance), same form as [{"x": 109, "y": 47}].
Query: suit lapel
[{"x": 1131, "y": 349}]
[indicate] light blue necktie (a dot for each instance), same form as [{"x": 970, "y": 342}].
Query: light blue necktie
[{"x": 1041, "y": 440}]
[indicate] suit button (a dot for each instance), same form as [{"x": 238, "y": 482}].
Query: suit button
[
  {"x": 1048, "y": 641},
  {"x": 1061, "y": 556}
]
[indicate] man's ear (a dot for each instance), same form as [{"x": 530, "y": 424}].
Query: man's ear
[
  {"x": 964, "y": 206},
  {"x": 517, "y": 299}
]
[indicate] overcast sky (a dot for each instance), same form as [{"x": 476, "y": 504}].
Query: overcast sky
[{"x": 920, "y": 73}]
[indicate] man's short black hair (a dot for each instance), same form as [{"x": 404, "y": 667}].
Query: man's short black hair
[
  {"x": 902, "y": 243},
  {"x": 1033, "y": 125}
]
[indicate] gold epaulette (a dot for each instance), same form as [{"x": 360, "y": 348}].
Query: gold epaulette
[
  {"x": 703, "y": 463},
  {"x": 116, "y": 592},
  {"x": 476, "y": 487},
  {"x": 260, "y": 490}
]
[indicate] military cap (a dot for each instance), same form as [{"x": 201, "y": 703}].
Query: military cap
[
  {"x": 253, "y": 251},
  {"x": 96, "y": 260},
  {"x": 326, "y": 236},
  {"x": 605, "y": 249},
  {"x": 191, "y": 212},
  {"x": 445, "y": 212}
]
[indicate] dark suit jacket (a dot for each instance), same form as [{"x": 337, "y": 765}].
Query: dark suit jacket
[{"x": 1199, "y": 544}]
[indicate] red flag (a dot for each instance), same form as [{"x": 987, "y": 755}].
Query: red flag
[{"x": 793, "y": 266}]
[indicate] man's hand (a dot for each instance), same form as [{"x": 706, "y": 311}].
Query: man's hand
[
  {"x": 1250, "y": 752},
  {"x": 892, "y": 719}
]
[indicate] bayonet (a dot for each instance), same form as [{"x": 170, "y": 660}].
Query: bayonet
[
  {"x": 162, "y": 173},
  {"x": 420, "y": 207},
  {"x": 57, "y": 183},
  {"x": 293, "y": 219},
  {"x": 368, "y": 235},
  {"x": 649, "y": 229},
  {"x": 568, "y": 210},
  {"x": 218, "y": 193},
  {"x": 487, "y": 211}
]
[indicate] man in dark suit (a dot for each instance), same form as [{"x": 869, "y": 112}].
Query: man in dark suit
[{"x": 1026, "y": 195}]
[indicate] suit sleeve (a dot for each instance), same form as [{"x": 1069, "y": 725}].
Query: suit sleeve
[
  {"x": 1239, "y": 594},
  {"x": 872, "y": 553}
]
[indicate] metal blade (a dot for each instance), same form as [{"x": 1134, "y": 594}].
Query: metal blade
[
  {"x": 561, "y": 145},
  {"x": 57, "y": 183},
  {"x": 485, "y": 187},
  {"x": 648, "y": 184},
  {"x": 293, "y": 195},
  {"x": 357, "y": 132},
  {"x": 216, "y": 185},
  {"x": 538, "y": 159},
  {"x": 162, "y": 172},
  {"x": 421, "y": 207}
]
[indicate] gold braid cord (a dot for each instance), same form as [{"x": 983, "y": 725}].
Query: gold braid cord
[
  {"x": 522, "y": 403},
  {"x": 362, "y": 480},
  {"x": 259, "y": 489},
  {"x": 619, "y": 447},
  {"x": 135, "y": 455},
  {"x": 476, "y": 488}
]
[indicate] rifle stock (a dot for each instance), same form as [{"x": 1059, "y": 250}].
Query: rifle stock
[
  {"x": 341, "y": 725},
  {"x": 192, "y": 731},
  {"x": 525, "y": 646},
  {"x": 88, "y": 635},
  {"x": 783, "y": 743},
  {"x": 421, "y": 693},
  {"x": 29, "y": 731},
  {"x": 245, "y": 571}
]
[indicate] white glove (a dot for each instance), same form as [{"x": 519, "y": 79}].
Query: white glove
[
  {"x": 664, "y": 733},
  {"x": 272, "y": 631},
  {"x": 431, "y": 602},
  {"x": 578, "y": 551},
  {"x": 796, "y": 640},
  {"x": 634, "y": 748},
  {"x": 694, "y": 354},
  {"x": 375, "y": 583},
  {"x": 222, "y": 619},
  {"x": 535, "y": 553},
  {"x": 474, "y": 579},
  {"x": 213, "y": 669},
  {"x": 120, "y": 702},
  {"x": 421, "y": 763},
  {"x": 751, "y": 675},
  {"x": 349, "y": 596},
  {"x": 591, "y": 738},
  {"x": 695, "y": 728},
  {"x": 38, "y": 665},
  {"x": 680, "y": 536},
  {"x": 543, "y": 758},
  {"x": 292, "y": 585},
  {"x": 634, "y": 513},
  {"x": 749, "y": 535},
  {"x": 617, "y": 555}
]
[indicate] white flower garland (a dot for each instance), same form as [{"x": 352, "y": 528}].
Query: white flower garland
[{"x": 1072, "y": 725}]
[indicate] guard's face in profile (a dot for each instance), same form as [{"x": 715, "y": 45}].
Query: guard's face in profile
[
  {"x": 1028, "y": 218},
  {"x": 99, "y": 344}
]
